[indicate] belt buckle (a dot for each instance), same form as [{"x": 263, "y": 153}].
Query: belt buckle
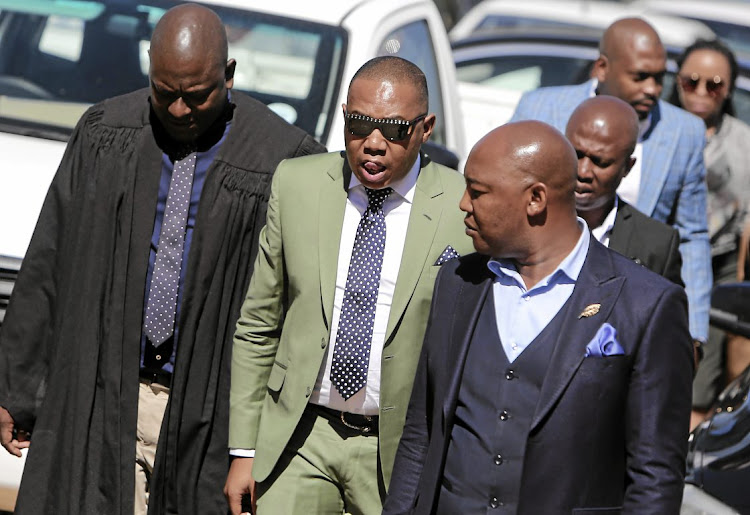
[{"x": 363, "y": 429}]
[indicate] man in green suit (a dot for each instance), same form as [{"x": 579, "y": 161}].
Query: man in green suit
[{"x": 331, "y": 329}]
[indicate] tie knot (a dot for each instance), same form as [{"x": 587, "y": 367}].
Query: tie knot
[{"x": 376, "y": 198}]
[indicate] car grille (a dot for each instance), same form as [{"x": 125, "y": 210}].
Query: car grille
[{"x": 8, "y": 272}]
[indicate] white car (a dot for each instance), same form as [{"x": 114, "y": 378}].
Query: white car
[
  {"x": 491, "y": 15},
  {"x": 57, "y": 57},
  {"x": 730, "y": 20}
]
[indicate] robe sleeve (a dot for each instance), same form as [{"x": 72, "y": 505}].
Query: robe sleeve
[{"x": 27, "y": 338}]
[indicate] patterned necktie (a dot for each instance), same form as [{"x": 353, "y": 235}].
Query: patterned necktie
[
  {"x": 165, "y": 279},
  {"x": 351, "y": 355}
]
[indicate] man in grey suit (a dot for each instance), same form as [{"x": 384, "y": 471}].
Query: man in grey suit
[
  {"x": 329, "y": 336},
  {"x": 667, "y": 181},
  {"x": 604, "y": 130}
]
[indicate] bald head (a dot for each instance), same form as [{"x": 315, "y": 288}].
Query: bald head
[
  {"x": 627, "y": 34},
  {"x": 631, "y": 64},
  {"x": 604, "y": 131},
  {"x": 519, "y": 200},
  {"x": 189, "y": 72},
  {"x": 610, "y": 119},
  {"x": 535, "y": 151},
  {"x": 190, "y": 32}
]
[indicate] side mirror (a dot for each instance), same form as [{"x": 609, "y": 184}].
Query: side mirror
[{"x": 730, "y": 308}]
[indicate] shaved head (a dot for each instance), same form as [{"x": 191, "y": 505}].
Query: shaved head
[
  {"x": 189, "y": 32},
  {"x": 604, "y": 131},
  {"x": 631, "y": 64},
  {"x": 189, "y": 72},
  {"x": 627, "y": 34},
  {"x": 536, "y": 152},
  {"x": 609, "y": 117},
  {"x": 519, "y": 199}
]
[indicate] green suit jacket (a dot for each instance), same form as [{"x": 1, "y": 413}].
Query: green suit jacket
[{"x": 285, "y": 322}]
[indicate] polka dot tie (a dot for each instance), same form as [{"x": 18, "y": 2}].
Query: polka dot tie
[
  {"x": 162, "y": 296},
  {"x": 351, "y": 355}
]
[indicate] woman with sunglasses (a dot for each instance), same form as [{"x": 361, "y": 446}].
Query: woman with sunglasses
[{"x": 704, "y": 86}]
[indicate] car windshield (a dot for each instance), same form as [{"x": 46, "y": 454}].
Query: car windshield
[{"x": 57, "y": 57}]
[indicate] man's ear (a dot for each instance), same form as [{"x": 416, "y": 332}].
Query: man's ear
[
  {"x": 229, "y": 73},
  {"x": 600, "y": 69},
  {"x": 429, "y": 125},
  {"x": 537, "y": 203}
]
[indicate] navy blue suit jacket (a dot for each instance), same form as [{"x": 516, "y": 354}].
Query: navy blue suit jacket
[{"x": 608, "y": 432}]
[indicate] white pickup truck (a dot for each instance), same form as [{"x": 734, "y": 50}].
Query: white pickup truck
[{"x": 57, "y": 57}]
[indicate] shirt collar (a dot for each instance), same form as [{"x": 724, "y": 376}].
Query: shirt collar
[
  {"x": 607, "y": 224},
  {"x": 643, "y": 125},
  {"x": 569, "y": 267},
  {"x": 404, "y": 186}
]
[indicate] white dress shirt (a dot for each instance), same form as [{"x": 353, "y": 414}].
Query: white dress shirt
[
  {"x": 603, "y": 231},
  {"x": 397, "y": 208}
]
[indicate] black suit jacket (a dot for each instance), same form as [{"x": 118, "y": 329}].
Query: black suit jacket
[
  {"x": 648, "y": 242},
  {"x": 607, "y": 433}
]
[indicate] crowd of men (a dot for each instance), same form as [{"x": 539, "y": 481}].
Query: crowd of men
[{"x": 214, "y": 314}]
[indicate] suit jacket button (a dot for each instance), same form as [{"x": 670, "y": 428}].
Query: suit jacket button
[
  {"x": 498, "y": 459},
  {"x": 495, "y": 502},
  {"x": 504, "y": 415},
  {"x": 308, "y": 392},
  {"x": 510, "y": 374}
]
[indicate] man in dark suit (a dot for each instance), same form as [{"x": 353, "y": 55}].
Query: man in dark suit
[
  {"x": 604, "y": 131},
  {"x": 555, "y": 374}
]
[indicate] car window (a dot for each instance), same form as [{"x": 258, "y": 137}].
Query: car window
[
  {"x": 413, "y": 43},
  {"x": 493, "y": 22},
  {"x": 524, "y": 72},
  {"x": 59, "y": 56},
  {"x": 736, "y": 35}
]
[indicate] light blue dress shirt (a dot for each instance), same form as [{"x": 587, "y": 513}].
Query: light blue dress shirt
[{"x": 522, "y": 314}]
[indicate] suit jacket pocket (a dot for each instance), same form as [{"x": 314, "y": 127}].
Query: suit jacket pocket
[
  {"x": 276, "y": 378},
  {"x": 617, "y": 510}
]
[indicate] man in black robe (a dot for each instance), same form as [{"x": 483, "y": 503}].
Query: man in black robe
[{"x": 73, "y": 344}]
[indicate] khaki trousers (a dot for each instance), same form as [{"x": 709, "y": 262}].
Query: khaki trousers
[
  {"x": 324, "y": 470},
  {"x": 152, "y": 401}
]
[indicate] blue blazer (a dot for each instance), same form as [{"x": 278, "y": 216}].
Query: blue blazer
[
  {"x": 673, "y": 181},
  {"x": 608, "y": 433}
]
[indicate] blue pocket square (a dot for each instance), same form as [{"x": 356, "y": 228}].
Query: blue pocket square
[
  {"x": 605, "y": 343},
  {"x": 448, "y": 254}
]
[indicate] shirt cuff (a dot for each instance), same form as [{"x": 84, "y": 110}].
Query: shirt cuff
[{"x": 242, "y": 453}]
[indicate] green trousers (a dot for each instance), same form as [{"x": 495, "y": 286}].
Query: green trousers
[{"x": 325, "y": 469}]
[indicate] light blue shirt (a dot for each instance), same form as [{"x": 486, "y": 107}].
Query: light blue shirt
[{"x": 522, "y": 314}]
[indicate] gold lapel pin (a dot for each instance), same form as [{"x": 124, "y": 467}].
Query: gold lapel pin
[{"x": 590, "y": 310}]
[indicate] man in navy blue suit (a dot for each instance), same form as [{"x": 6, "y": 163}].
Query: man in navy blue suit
[{"x": 555, "y": 374}]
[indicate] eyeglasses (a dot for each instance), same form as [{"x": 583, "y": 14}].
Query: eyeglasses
[
  {"x": 392, "y": 129},
  {"x": 714, "y": 85}
]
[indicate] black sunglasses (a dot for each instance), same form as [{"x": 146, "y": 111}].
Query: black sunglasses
[
  {"x": 392, "y": 129},
  {"x": 714, "y": 85}
]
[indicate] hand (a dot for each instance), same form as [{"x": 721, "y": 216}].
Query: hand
[
  {"x": 12, "y": 444},
  {"x": 240, "y": 482}
]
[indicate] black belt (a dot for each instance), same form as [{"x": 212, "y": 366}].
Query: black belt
[
  {"x": 161, "y": 377},
  {"x": 363, "y": 424}
]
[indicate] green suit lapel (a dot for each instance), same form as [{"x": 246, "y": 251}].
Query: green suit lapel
[
  {"x": 332, "y": 196},
  {"x": 423, "y": 224}
]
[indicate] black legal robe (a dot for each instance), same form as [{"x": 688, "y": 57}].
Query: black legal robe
[{"x": 69, "y": 347}]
